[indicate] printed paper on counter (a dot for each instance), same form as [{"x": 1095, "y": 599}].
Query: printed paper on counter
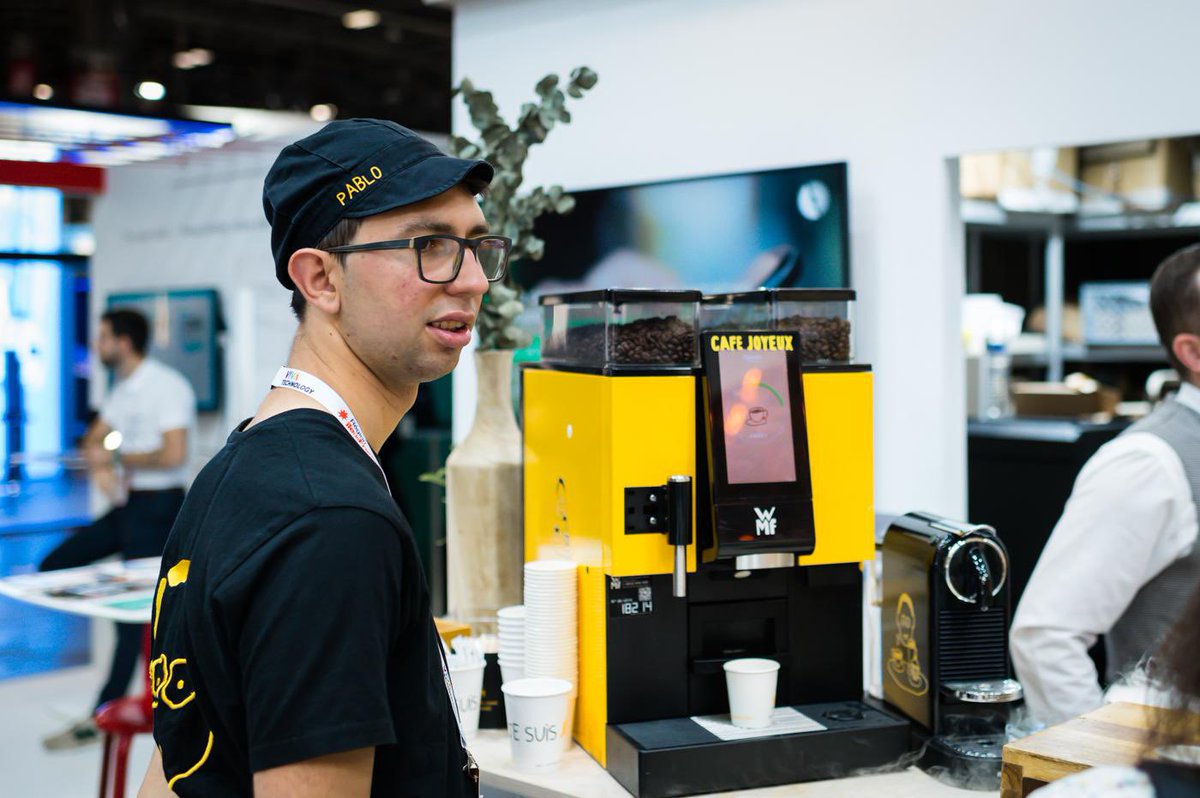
[{"x": 785, "y": 720}]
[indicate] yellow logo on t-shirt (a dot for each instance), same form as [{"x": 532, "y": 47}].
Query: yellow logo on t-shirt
[{"x": 169, "y": 682}]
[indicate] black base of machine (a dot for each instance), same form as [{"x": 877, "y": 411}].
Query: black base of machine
[
  {"x": 663, "y": 758},
  {"x": 969, "y": 762}
]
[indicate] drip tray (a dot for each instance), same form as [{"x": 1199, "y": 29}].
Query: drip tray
[{"x": 806, "y": 742}]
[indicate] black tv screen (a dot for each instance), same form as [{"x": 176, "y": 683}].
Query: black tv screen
[{"x": 777, "y": 228}]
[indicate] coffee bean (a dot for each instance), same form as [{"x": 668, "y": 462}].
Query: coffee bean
[
  {"x": 671, "y": 341},
  {"x": 654, "y": 341},
  {"x": 822, "y": 338}
]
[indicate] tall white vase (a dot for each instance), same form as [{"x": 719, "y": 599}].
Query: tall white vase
[{"x": 484, "y": 523}]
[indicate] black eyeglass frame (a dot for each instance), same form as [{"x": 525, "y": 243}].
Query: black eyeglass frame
[{"x": 414, "y": 244}]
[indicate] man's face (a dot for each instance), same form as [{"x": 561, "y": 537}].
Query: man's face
[
  {"x": 406, "y": 330},
  {"x": 108, "y": 346}
]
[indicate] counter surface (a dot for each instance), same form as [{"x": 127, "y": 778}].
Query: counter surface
[{"x": 580, "y": 777}]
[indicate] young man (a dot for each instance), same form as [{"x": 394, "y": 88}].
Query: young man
[
  {"x": 153, "y": 408},
  {"x": 1123, "y": 558},
  {"x": 294, "y": 651}
]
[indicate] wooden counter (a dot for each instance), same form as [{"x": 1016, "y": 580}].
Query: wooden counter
[
  {"x": 580, "y": 777},
  {"x": 1112, "y": 735}
]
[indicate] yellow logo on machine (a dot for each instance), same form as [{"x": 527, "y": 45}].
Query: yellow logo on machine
[
  {"x": 761, "y": 343},
  {"x": 904, "y": 661},
  {"x": 359, "y": 183},
  {"x": 169, "y": 681}
]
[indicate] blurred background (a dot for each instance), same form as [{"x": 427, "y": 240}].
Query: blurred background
[{"x": 996, "y": 181}]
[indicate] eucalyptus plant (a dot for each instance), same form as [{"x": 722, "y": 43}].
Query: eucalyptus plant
[{"x": 509, "y": 211}]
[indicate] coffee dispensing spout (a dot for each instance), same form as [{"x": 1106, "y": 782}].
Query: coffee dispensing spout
[
  {"x": 983, "y": 573},
  {"x": 679, "y": 528},
  {"x": 664, "y": 509}
]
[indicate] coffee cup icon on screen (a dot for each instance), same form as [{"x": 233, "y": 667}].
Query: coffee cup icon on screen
[{"x": 756, "y": 417}]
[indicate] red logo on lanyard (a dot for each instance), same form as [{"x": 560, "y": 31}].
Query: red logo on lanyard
[{"x": 342, "y": 414}]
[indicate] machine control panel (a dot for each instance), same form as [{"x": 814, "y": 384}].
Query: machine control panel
[{"x": 759, "y": 472}]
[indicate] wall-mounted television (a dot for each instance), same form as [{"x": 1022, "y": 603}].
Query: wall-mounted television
[{"x": 777, "y": 228}]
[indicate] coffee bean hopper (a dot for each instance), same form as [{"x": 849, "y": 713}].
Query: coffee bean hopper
[{"x": 715, "y": 488}]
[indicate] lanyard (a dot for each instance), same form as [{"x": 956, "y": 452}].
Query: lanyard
[{"x": 313, "y": 387}]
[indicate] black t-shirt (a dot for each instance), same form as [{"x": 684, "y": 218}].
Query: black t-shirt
[{"x": 292, "y": 620}]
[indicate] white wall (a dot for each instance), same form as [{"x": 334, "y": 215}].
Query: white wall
[
  {"x": 692, "y": 87},
  {"x": 197, "y": 222}
]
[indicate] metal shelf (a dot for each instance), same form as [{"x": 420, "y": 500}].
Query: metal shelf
[
  {"x": 981, "y": 213},
  {"x": 1077, "y": 353},
  {"x": 979, "y": 216}
]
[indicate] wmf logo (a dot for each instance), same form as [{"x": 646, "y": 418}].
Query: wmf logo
[{"x": 765, "y": 523}]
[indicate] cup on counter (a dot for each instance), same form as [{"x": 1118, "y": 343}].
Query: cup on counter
[
  {"x": 467, "y": 681},
  {"x": 751, "y": 686},
  {"x": 537, "y": 719}
]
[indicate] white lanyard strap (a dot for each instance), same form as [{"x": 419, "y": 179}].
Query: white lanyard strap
[{"x": 315, "y": 388}]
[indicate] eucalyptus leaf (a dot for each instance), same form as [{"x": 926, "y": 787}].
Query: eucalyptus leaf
[
  {"x": 546, "y": 85},
  {"x": 584, "y": 78},
  {"x": 509, "y": 213},
  {"x": 511, "y": 309},
  {"x": 535, "y": 247},
  {"x": 517, "y": 336}
]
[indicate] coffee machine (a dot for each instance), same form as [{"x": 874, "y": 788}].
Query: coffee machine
[
  {"x": 945, "y": 620},
  {"x": 714, "y": 484}
]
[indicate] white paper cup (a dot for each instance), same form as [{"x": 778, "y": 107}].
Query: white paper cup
[
  {"x": 514, "y": 613},
  {"x": 751, "y": 686},
  {"x": 537, "y": 721},
  {"x": 511, "y": 671},
  {"x": 468, "y": 692}
]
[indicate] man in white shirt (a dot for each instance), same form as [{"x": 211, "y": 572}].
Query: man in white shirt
[
  {"x": 137, "y": 451},
  {"x": 1123, "y": 557}
]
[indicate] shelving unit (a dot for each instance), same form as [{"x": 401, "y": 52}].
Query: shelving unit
[{"x": 1048, "y": 237}]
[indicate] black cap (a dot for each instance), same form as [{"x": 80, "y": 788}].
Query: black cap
[{"x": 350, "y": 169}]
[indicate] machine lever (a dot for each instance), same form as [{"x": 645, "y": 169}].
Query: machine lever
[{"x": 679, "y": 528}]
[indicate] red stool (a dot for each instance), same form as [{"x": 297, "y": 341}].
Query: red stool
[{"x": 119, "y": 720}]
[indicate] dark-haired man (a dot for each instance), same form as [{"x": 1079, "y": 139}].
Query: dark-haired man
[
  {"x": 1123, "y": 558},
  {"x": 294, "y": 650},
  {"x": 137, "y": 452}
]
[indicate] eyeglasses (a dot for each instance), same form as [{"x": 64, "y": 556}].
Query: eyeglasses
[{"x": 439, "y": 257}]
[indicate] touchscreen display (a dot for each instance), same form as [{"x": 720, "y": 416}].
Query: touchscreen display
[{"x": 758, "y": 419}]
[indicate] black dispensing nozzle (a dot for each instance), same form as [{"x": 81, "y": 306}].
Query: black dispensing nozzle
[
  {"x": 984, "y": 574},
  {"x": 679, "y": 528}
]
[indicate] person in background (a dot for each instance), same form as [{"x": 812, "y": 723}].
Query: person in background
[
  {"x": 142, "y": 469},
  {"x": 1123, "y": 558},
  {"x": 294, "y": 651},
  {"x": 1171, "y": 765}
]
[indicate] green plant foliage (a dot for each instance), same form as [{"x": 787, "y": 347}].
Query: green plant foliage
[{"x": 510, "y": 212}]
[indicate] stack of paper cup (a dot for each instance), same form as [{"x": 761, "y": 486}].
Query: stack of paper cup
[
  {"x": 551, "y": 636},
  {"x": 511, "y": 622}
]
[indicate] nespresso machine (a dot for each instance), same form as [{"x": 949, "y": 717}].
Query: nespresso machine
[
  {"x": 945, "y": 619},
  {"x": 713, "y": 478}
]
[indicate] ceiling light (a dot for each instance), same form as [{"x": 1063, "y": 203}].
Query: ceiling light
[
  {"x": 361, "y": 19},
  {"x": 190, "y": 59},
  {"x": 43, "y": 91},
  {"x": 151, "y": 90},
  {"x": 323, "y": 112}
]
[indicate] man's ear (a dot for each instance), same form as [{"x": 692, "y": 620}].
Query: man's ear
[
  {"x": 318, "y": 277},
  {"x": 1186, "y": 347}
]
